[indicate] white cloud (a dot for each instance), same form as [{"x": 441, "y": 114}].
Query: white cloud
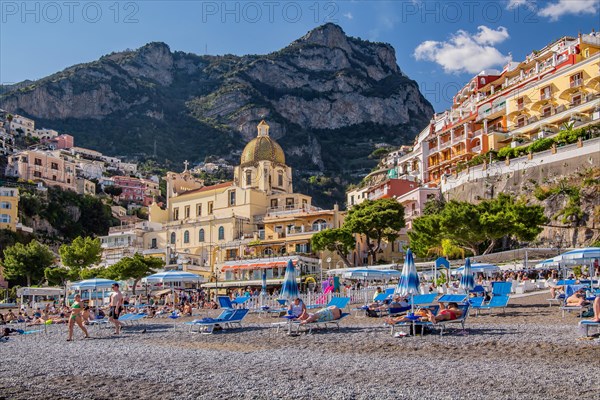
[
  {"x": 348, "y": 15},
  {"x": 466, "y": 52},
  {"x": 520, "y": 3},
  {"x": 563, "y": 7}
]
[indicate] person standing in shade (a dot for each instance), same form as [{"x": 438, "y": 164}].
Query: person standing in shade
[{"x": 116, "y": 305}]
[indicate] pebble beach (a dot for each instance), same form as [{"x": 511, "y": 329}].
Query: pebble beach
[{"x": 529, "y": 352}]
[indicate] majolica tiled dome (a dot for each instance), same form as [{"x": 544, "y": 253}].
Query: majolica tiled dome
[{"x": 262, "y": 148}]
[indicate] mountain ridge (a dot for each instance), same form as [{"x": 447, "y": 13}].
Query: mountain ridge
[{"x": 324, "y": 89}]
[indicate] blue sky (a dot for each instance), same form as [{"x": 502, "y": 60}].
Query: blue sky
[{"x": 439, "y": 44}]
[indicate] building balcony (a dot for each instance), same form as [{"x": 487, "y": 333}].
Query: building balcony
[
  {"x": 459, "y": 139},
  {"x": 476, "y": 149},
  {"x": 445, "y": 144},
  {"x": 291, "y": 209},
  {"x": 576, "y": 83}
]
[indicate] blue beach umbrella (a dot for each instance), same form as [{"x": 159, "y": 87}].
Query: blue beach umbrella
[
  {"x": 409, "y": 280},
  {"x": 289, "y": 289},
  {"x": 93, "y": 285},
  {"x": 467, "y": 281}
]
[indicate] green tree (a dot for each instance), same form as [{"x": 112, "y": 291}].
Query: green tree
[
  {"x": 425, "y": 235},
  {"x": 27, "y": 261},
  {"x": 113, "y": 190},
  {"x": 57, "y": 276},
  {"x": 339, "y": 240},
  {"x": 80, "y": 254},
  {"x": 135, "y": 268},
  {"x": 379, "y": 220}
]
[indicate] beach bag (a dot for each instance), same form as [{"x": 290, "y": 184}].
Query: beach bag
[
  {"x": 587, "y": 314},
  {"x": 371, "y": 313}
]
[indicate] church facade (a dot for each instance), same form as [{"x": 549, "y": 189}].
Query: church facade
[{"x": 233, "y": 231}]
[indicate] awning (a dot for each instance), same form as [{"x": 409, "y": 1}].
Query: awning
[
  {"x": 256, "y": 265},
  {"x": 161, "y": 292},
  {"x": 253, "y": 283}
]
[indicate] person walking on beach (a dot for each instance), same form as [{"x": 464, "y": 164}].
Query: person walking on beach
[
  {"x": 116, "y": 305},
  {"x": 75, "y": 318}
]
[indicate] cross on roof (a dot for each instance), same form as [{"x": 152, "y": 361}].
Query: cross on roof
[{"x": 185, "y": 164}]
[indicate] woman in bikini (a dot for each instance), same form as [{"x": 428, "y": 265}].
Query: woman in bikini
[
  {"x": 447, "y": 313},
  {"x": 75, "y": 318}
]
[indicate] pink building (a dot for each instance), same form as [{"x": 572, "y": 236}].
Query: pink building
[
  {"x": 136, "y": 190},
  {"x": 62, "y": 142}
]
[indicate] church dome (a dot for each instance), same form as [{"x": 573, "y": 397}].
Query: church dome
[{"x": 262, "y": 148}]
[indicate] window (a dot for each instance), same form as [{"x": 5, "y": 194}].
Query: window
[
  {"x": 68, "y": 180},
  {"x": 520, "y": 103},
  {"x": 221, "y": 233},
  {"x": 280, "y": 179},
  {"x": 176, "y": 213},
  {"x": 53, "y": 177},
  {"x": 576, "y": 80},
  {"x": 576, "y": 100},
  {"x": 546, "y": 93},
  {"x": 352, "y": 200},
  {"x": 319, "y": 225},
  {"x": 37, "y": 174},
  {"x": 547, "y": 111},
  {"x": 38, "y": 161},
  {"x": 198, "y": 210},
  {"x": 521, "y": 121},
  {"x": 54, "y": 165},
  {"x": 5, "y": 218},
  {"x": 186, "y": 237},
  {"x": 201, "y": 235},
  {"x": 232, "y": 198},
  {"x": 5, "y": 205},
  {"x": 186, "y": 211},
  {"x": 231, "y": 254},
  {"x": 274, "y": 203},
  {"x": 210, "y": 208},
  {"x": 172, "y": 237},
  {"x": 153, "y": 244},
  {"x": 249, "y": 178},
  {"x": 289, "y": 202}
]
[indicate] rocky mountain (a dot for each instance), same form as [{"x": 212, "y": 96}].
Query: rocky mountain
[{"x": 330, "y": 100}]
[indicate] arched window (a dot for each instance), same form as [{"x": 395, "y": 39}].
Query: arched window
[
  {"x": 249, "y": 178},
  {"x": 221, "y": 233},
  {"x": 172, "y": 237},
  {"x": 268, "y": 251},
  {"x": 186, "y": 237},
  {"x": 319, "y": 225},
  {"x": 201, "y": 235}
]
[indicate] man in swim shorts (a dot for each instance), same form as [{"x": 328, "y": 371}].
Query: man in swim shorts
[{"x": 116, "y": 305}]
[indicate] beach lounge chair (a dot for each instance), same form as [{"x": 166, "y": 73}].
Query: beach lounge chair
[
  {"x": 424, "y": 299},
  {"x": 569, "y": 291},
  {"x": 495, "y": 302},
  {"x": 226, "y": 319},
  {"x": 339, "y": 302},
  {"x": 240, "y": 300},
  {"x": 587, "y": 324}
]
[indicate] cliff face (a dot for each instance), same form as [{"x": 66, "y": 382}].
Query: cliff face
[{"x": 323, "y": 89}]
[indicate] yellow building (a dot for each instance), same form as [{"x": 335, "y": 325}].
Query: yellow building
[
  {"x": 567, "y": 88},
  {"x": 254, "y": 216},
  {"x": 9, "y": 208}
]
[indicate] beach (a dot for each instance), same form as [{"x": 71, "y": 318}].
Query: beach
[{"x": 530, "y": 352}]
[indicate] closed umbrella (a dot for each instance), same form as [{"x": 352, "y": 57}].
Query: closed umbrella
[
  {"x": 263, "y": 290},
  {"x": 289, "y": 289},
  {"x": 409, "y": 280},
  {"x": 467, "y": 282}
]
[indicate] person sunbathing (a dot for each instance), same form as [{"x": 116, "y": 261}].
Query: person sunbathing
[
  {"x": 327, "y": 314},
  {"x": 421, "y": 312},
  {"x": 10, "y": 316},
  {"x": 446, "y": 313},
  {"x": 596, "y": 308},
  {"x": 187, "y": 309},
  {"x": 577, "y": 299}
]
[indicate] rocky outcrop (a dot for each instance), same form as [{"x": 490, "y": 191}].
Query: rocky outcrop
[{"x": 320, "y": 87}]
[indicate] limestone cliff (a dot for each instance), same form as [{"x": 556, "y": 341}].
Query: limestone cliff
[{"x": 325, "y": 90}]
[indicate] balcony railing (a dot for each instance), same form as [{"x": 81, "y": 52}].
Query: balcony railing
[
  {"x": 458, "y": 139},
  {"x": 291, "y": 209},
  {"x": 576, "y": 83},
  {"x": 476, "y": 149},
  {"x": 545, "y": 95}
]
